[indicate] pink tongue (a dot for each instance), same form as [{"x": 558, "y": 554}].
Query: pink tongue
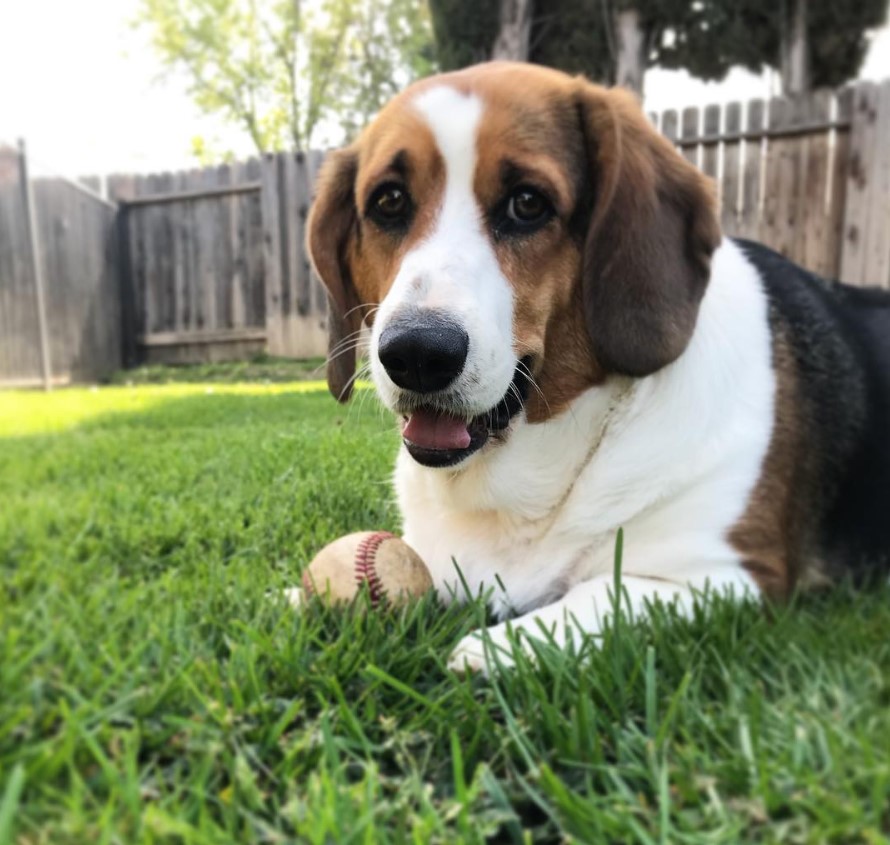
[{"x": 434, "y": 430}]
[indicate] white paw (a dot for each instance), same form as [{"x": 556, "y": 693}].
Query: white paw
[
  {"x": 295, "y": 597},
  {"x": 475, "y": 654}
]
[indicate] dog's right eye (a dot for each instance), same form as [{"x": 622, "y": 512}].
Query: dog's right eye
[{"x": 390, "y": 206}]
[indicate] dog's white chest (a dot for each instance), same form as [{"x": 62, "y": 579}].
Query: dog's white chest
[
  {"x": 513, "y": 528},
  {"x": 518, "y": 564}
]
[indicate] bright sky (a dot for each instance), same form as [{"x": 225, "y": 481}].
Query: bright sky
[{"x": 82, "y": 87}]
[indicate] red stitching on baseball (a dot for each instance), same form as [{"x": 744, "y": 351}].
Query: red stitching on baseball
[{"x": 365, "y": 570}]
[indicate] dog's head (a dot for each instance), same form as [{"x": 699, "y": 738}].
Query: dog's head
[{"x": 512, "y": 235}]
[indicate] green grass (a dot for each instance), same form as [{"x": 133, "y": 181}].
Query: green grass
[
  {"x": 153, "y": 688},
  {"x": 261, "y": 368}
]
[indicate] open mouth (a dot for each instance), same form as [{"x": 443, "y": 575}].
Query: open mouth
[{"x": 437, "y": 438}]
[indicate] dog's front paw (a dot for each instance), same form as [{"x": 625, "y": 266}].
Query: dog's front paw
[{"x": 481, "y": 653}]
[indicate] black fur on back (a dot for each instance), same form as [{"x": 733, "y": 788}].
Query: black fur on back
[{"x": 840, "y": 337}]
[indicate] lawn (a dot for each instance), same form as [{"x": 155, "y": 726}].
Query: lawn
[{"x": 154, "y": 688}]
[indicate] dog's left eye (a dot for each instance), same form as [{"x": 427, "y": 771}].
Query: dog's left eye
[
  {"x": 526, "y": 205},
  {"x": 522, "y": 212},
  {"x": 390, "y": 206}
]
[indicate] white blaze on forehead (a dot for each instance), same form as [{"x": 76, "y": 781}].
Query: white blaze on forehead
[{"x": 454, "y": 119}]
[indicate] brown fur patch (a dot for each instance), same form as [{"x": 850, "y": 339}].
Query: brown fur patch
[
  {"x": 649, "y": 245},
  {"x": 771, "y": 535}
]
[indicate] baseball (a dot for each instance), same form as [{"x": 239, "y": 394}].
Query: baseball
[{"x": 392, "y": 570}]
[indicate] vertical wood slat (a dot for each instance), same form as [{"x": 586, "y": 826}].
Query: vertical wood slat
[
  {"x": 732, "y": 171},
  {"x": 224, "y": 255},
  {"x": 165, "y": 241},
  {"x": 126, "y": 286},
  {"x": 752, "y": 173},
  {"x": 237, "y": 245},
  {"x": 302, "y": 193},
  {"x": 206, "y": 211},
  {"x": 272, "y": 254},
  {"x": 793, "y": 208},
  {"x": 863, "y": 143},
  {"x": 816, "y": 244},
  {"x": 37, "y": 264},
  {"x": 195, "y": 297},
  {"x": 179, "y": 213},
  {"x": 840, "y": 164},
  {"x": 776, "y": 177},
  {"x": 669, "y": 123},
  {"x": 689, "y": 129},
  {"x": 255, "y": 269},
  {"x": 710, "y": 152},
  {"x": 292, "y": 249},
  {"x": 320, "y": 298},
  {"x": 877, "y": 250}
]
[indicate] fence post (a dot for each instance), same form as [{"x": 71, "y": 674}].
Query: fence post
[
  {"x": 36, "y": 262},
  {"x": 126, "y": 287}
]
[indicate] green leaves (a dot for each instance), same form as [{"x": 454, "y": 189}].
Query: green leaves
[{"x": 291, "y": 73}]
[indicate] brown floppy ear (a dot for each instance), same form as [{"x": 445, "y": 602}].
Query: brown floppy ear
[
  {"x": 331, "y": 222},
  {"x": 653, "y": 228}
]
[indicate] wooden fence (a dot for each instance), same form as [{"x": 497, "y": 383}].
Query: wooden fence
[
  {"x": 808, "y": 176},
  {"x": 213, "y": 262},
  {"x": 59, "y": 269},
  {"x": 217, "y": 262}
]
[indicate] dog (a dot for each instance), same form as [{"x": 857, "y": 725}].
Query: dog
[{"x": 573, "y": 348}]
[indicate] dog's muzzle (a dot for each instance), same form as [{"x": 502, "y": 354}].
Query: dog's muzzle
[{"x": 424, "y": 354}]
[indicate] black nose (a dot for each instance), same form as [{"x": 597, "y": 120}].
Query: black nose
[{"x": 423, "y": 353}]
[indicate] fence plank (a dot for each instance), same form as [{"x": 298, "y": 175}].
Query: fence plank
[
  {"x": 255, "y": 268},
  {"x": 320, "y": 302},
  {"x": 289, "y": 249},
  {"x": 669, "y": 125},
  {"x": 179, "y": 223},
  {"x": 815, "y": 243},
  {"x": 863, "y": 143},
  {"x": 237, "y": 237},
  {"x": 732, "y": 170},
  {"x": 792, "y": 205},
  {"x": 302, "y": 194},
  {"x": 877, "y": 244},
  {"x": 752, "y": 179},
  {"x": 840, "y": 164},
  {"x": 689, "y": 130},
  {"x": 272, "y": 254},
  {"x": 710, "y": 152},
  {"x": 224, "y": 255},
  {"x": 20, "y": 338},
  {"x": 771, "y": 230}
]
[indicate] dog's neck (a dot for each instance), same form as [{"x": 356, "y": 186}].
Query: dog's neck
[{"x": 523, "y": 480}]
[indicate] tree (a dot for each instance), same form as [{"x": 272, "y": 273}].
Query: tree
[
  {"x": 615, "y": 41},
  {"x": 815, "y": 43},
  {"x": 389, "y": 44},
  {"x": 514, "y": 30},
  {"x": 794, "y": 58},
  {"x": 290, "y": 72},
  {"x": 465, "y": 31}
]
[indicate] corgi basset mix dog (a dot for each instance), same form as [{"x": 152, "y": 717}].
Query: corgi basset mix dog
[{"x": 572, "y": 347}]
